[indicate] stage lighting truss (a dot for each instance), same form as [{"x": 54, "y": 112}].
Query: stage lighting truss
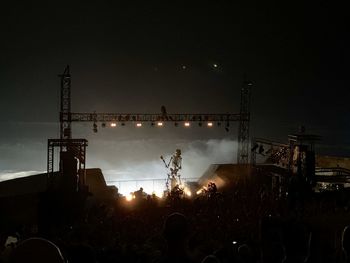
[
  {"x": 186, "y": 124},
  {"x": 186, "y": 120}
]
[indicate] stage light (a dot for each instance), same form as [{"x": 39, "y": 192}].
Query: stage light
[
  {"x": 227, "y": 127},
  {"x": 159, "y": 124},
  {"x": 210, "y": 124},
  {"x": 139, "y": 124},
  {"x": 261, "y": 149},
  {"x": 94, "y": 127},
  {"x": 188, "y": 193},
  {"x": 187, "y": 124},
  {"x": 113, "y": 124},
  {"x": 255, "y": 147},
  {"x": 130, "y": 197}
]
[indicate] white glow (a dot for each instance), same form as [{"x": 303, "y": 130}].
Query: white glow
[
  {"x": 139, "y": 159},
  {"x": 158, "y": 193},
  {"x": 160, "y": 124},
  {"x": 138, "y": 124},
  {"x": 113, "y": 124},
  {"x": 130, "y": 197},
  {"x": 210, "y": 124},
  {"x": 187, "y": 124},
  {"x": 9, "y": 175}
]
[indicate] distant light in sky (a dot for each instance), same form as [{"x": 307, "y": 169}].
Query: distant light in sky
[
  {"x": 215, "y": 65},
  {"x": 184, "y": 67}
]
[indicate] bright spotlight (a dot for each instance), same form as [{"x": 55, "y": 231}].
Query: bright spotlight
[
  {"x": 187, "y": 124},
  {"x": 113, "y": 124},
  {"x": 139, "y": 124},
  {"x": 160, "y": 124},
  {"x": 210, "y": 124},
  {"x": 129, "y": 197}
]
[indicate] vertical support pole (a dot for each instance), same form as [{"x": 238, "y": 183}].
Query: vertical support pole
[{"x": 243, "y": 129}]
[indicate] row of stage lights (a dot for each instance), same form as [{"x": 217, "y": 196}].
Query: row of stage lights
[{"x": 160, "y": 124}]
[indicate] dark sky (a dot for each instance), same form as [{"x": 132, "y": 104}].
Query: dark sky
[{"x": 129, "y": 58}]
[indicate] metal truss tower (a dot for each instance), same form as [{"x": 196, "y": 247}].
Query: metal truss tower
[
  {"x": 243, "y": 128},
  {"x": 75, "y": 147},
  {"x": 65, "y": 116}
]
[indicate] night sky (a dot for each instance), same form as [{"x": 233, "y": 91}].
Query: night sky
[{"x": 130, "y": 58}]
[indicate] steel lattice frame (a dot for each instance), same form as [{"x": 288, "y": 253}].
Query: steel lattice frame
[
  {"x": 75, "y": 146},
  {"x": 243, "y": 129}
]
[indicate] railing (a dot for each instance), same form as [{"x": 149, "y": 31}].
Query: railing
[
  {"x": 332, "y": 171},
  {"x": 149, "y": 185}
]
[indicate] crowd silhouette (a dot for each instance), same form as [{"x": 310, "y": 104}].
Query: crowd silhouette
[{"x": 245, "y": 225}]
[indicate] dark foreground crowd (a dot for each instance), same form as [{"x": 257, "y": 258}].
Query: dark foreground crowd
[{"x": 245, "y": 226}]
